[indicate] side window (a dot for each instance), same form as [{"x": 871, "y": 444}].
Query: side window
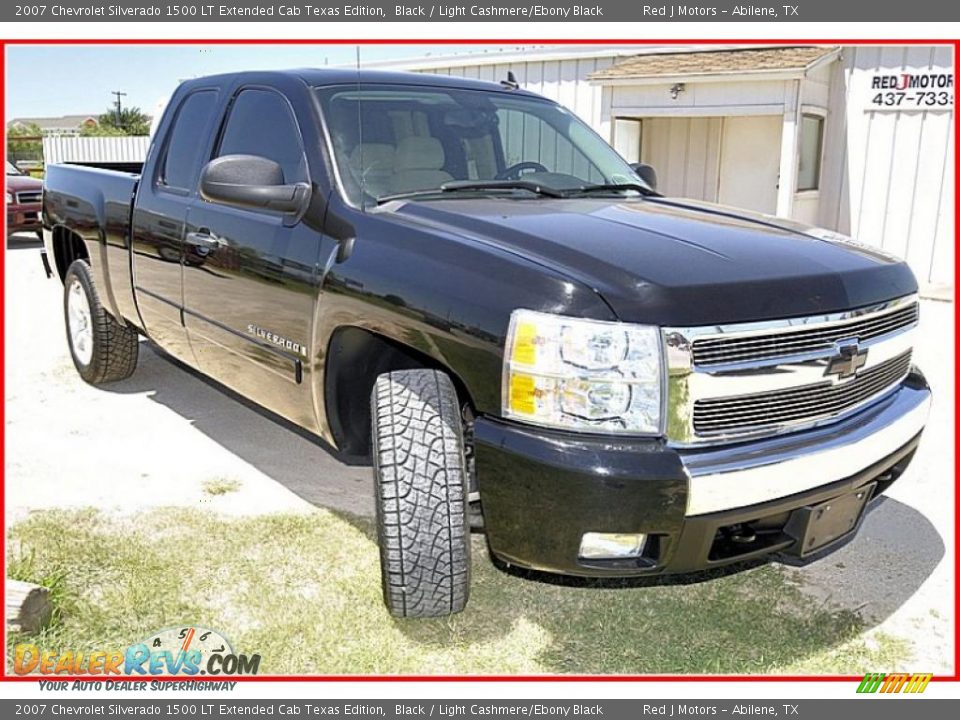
[
  {"x": 187, "y": 135},
  {"x": 811, "y": 148},
  {"x": 261, "y": 123}
]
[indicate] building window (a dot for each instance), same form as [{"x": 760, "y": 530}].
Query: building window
[{"x": 811, "y": 145}]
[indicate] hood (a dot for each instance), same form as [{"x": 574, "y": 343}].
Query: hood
[
  {"x": 20, "y": 183},
  {"x": 670, "y": 262}
]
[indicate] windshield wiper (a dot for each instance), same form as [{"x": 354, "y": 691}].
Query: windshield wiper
[
  {"x": 476, "y": 186},
  {"x": 611, "y": 187}
]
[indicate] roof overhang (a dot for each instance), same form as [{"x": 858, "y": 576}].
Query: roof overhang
[{"x": 771, "y": 75}]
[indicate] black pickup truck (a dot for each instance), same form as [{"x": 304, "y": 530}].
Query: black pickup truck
[{"x": 464, "y": 283}]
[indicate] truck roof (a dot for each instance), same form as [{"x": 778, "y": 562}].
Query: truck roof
[{"x": 337, "y": 76}]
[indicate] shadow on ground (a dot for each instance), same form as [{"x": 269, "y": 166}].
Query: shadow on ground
[
  {"x": 760, "y": 618},
  {"x": 24, "y": 241}
]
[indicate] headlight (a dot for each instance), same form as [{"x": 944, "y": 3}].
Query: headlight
[
  {"x": 585, "y": 375},
  {"x": 9, "y": 198}
]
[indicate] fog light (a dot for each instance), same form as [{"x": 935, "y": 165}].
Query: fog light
[{"x": 610, "y": 546}]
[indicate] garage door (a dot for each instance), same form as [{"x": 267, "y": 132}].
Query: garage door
[
  {"x": 750, "y": 162},
  {"x": 730, "y": 160},
  {"x": 685, "y": 153}
]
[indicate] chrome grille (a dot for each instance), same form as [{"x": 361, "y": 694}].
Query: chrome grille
[
  {"x": 26, "y": 198},
  {"x": 724, "y": 351},
  {"x": 728, "y": 383},
  {"x": 808, "y": 403}
]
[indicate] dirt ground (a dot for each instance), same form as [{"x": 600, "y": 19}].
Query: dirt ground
[{"x": 165, "y": 437}]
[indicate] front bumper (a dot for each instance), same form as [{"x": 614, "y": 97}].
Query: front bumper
[
  {"x": 23, "y": 218},
  {"x": 541, "y": 490}
]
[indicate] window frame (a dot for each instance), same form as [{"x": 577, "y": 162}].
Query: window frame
[
  {"x": 159, "y": 175},
  {"x": 225, "y": 120},
  {"x": 821, "y": 119}
]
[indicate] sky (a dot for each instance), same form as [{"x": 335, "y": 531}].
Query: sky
[{"x": 58, "y": 80}]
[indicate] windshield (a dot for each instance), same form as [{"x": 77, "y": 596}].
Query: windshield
[
  {"x": 389, "y": 140},
  {"x": 12, "y": 169}
]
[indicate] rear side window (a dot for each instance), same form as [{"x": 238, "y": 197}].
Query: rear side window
[
  {"x": 187, "y": 135},
  {"x": 261, "y": 123}
]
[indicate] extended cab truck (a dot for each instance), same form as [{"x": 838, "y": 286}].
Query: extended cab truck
[{"x": 461, "y": 281}]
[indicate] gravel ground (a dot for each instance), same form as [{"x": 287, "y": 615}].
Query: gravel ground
[{"x": 163, "y": 436}]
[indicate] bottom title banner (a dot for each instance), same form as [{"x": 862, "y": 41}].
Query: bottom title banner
[{"x": 880, "y": 709}]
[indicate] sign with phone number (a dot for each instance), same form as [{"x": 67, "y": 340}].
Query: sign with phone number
[{"x": 910, "y": 91}]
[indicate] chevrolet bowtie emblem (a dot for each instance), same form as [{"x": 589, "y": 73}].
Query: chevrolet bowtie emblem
[{"x": 847, "y": 362}]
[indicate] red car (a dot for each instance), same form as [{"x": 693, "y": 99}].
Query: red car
[{"x": 23, "y": 202}]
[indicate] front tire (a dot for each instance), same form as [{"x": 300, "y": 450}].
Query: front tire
[
  {"x": 102, "y": 349},
  {"x": 421, "y": 490}
]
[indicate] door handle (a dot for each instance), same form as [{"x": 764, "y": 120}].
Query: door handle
[{"x": 204, "y": 240}]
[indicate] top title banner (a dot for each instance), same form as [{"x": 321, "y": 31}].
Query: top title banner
[{"x": 483, "y": 11}]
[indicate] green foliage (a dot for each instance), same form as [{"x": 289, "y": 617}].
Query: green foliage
[
  {"x": 102, "y": 131},
  {"x": 24, "y": 149},
  {"x": 303, "y": 591},
  {"x": 22, "y": 565},
  {"x": 29, "y": 130},
  {"x": 132, "y": 121},
  {"x": 220, "y": 486}
]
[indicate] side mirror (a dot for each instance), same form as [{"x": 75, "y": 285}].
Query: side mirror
[
  {"x": 646, "y": 173},
  {"x": 251, "y": 181}
]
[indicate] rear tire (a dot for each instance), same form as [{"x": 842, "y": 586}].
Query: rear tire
[
  {"x": 421, "y": 490},
  {"x": 102, "y": 349}
]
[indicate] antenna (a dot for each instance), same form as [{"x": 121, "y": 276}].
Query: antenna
[
  {"x": 363, "y": 175},
  {"x": 511, "y": 82}
]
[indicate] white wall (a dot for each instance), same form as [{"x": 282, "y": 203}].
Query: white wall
[{"x": 888, "y": 175}]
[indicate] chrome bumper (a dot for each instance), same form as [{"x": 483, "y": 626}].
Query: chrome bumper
[{"x": 756, "y": 472}]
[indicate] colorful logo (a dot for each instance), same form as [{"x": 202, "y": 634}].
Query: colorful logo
[
  {"x": 894, "y": 682},
  {"x": 189, "y": 651}
]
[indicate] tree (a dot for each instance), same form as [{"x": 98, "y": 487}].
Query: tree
[
  {"x": 132, "y": 121},
  {"x": 100, "y": 130},
  {"x": 27, "y": 149}
]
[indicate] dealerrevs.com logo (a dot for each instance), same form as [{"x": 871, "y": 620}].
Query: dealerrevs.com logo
[
  {"x": 894, "y": 683},
  {"x": 185, "y": 651}
]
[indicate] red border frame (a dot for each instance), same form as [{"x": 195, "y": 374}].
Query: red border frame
[{"x": 4, "y": 677}]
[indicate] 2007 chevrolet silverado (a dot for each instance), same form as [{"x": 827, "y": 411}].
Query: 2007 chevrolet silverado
[{"x": 461, "y": 281}]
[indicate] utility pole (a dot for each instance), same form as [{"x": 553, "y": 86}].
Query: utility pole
[{"x": 119, "y": 107}]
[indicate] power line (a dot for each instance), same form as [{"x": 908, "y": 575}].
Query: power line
[{"x": 119, "y": 107}]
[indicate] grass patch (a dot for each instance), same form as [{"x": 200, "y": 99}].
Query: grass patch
[
  {"x": 220, "y": 486},
  {"x": 304, "y": 592},
  {"x": 22, "y": 565}
]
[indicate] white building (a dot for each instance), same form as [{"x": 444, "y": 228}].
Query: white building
[
  {"x": 62, "y": 125},
  {"x": 855, "y": 139}
]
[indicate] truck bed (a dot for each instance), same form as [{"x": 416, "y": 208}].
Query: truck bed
[{"x": 95, "y": 204}]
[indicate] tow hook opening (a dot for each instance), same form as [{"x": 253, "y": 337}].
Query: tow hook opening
[
  {"x": 741, "y": 534},
  {"x": 746, "y": 538}
]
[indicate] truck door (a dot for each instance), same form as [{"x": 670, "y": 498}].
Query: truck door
[
  {"x": 249, "y": 278},
  {"x": 167, "y": 189}
]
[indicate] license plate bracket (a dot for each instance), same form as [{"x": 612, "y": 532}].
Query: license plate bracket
[{"x": 820, "y": 525}]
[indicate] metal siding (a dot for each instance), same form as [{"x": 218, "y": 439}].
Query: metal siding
[
  {"x": 63, "y": 149},
  {"x": 686, "y": 154},
  {"x": 888, "y": 176},
  {"x": 562, "y": 80}
]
